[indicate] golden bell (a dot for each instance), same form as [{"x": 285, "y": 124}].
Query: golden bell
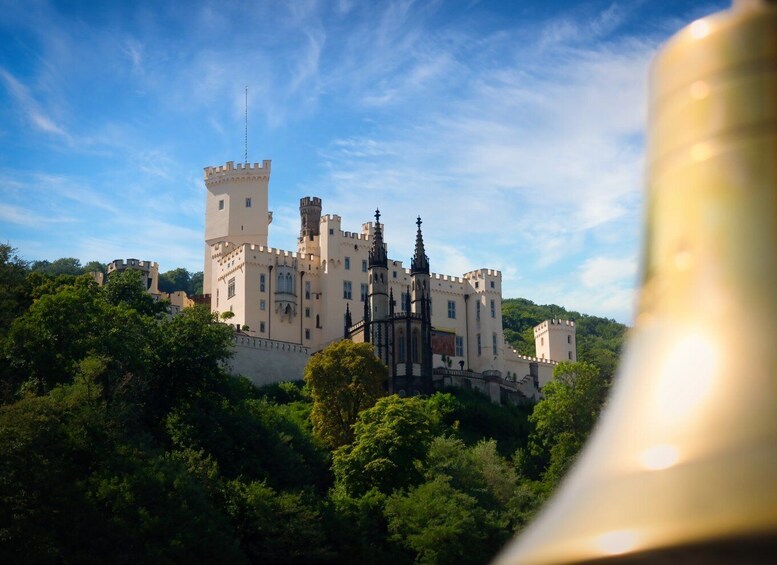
[{"x": 683, "y": 464}]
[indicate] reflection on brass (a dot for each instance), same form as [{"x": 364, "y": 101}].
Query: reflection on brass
[{"x": 683, "y": 465}]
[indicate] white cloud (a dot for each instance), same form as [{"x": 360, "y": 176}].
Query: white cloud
[{"x": 603, "y": 271}]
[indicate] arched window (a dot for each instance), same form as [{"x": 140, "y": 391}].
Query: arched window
[
  {"x": 289, "y": 283},
  {"x": 280, "y": 283},
  {"x": 401, "y": 348},
  {"x": 414, "y": 344}
]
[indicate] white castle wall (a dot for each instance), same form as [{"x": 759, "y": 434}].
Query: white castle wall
[{"x": 264, "y": 361}]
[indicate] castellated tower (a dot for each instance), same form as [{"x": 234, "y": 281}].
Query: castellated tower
[
  {"x": 236, "y": 209},
  {"x": 310, "y": 224},
  {"x": 555, "y": 340}
]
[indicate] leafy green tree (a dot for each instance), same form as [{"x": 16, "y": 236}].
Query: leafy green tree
[
  {"x": 63, "y": 266},
  {"x": 438, "y": 523},
  {"x": 14, "y": 290},
  {"x": 177, "y": 279},
  {"x": 190, "y": 351},
  {"x": 275, "y": 527},
  {"x": 58, "y": 331},
  {"x": 391, "y": 440},
  {"x": 96, "y": 267},
  {"x": 127, "y": 287},
  {"x": 565, "y": 416},
  {"x": 345, "y": 378},
  {"x": 195, "y": 284}
]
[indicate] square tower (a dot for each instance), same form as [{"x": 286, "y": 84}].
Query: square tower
[
  {"x": 555, "y": 340},
  {"x": 236, "y": 208}
]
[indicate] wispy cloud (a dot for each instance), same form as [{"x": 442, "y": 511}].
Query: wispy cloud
[{"x": 29, "y": 107}]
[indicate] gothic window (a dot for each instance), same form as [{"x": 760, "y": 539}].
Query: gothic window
[
  {"x": 289, "y": 284},
  {"x": 231, "y": 287},
  {"x": 401, "y": 343},
  {"x": 347, "y": 290},
  {"x": 364, "y": 290},
  {"x": 364, "y": 265},
  {"x": 414, "y": 344},
  {"x": 281, "y": 283},
  {"x": 261, "y": 283},
  {"x": 347, "y": 263},
  {"x": 459, "y": 346},
  {"x": 307, "y": 290},
  {"x": 452, "y": 309},
  {"x": 493, "y": 308}
]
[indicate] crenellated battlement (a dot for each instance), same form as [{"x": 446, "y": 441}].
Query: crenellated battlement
[
  {"x": 354, "y": 235},
  {"x": 230, "y": 170},
  {"x": 227, "y": 251},
  {"x": 310, "y": 201},
  {"x": 554, "y": 324},
  {"x": 120, "y": 264},
  {"x": 483, "y": 273},
  {"x": 446, "y": 278}
]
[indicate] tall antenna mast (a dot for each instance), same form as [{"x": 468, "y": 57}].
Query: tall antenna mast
[{"x": 246, "y": 128}]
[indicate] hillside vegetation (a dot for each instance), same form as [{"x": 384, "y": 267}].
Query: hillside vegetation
[
  {"x": 599, "y": 340},
  {"x": 124, "y": 440}
]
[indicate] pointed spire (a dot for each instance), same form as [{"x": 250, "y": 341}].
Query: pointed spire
[
  {"x": 378, "y": 250},
  {"x": 420, "y": 262},
  {"x": 348, "y": 322}
]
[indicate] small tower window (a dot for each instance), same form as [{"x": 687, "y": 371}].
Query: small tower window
[
  {"x": 261, "y": 283},
  {"x": 570, "y": 355},
  {"x": 248, "y": 202},
  {"x": 221, "y": 204},
  {"x": 493, "y": 308},
  {"x": 261, "y": 327},
  {"x": 307, "y": 290},
  {"x": 569, "y": 339},
  {"x": 477, "y": 310},
  {"x": 231, "y": 288},
  {"x": 364, "y": 265},
  {"x": 347, "y": 263},
  {"x": 452, "y": 309},
  {"x": 480, "y": 349},
  {"x": 347, "y": 290},
  {"x": 493, "y": 342},
  {"x": 307, "y": 334}
]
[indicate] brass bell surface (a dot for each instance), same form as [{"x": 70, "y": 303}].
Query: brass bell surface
[{"x": 682, "y": 466}]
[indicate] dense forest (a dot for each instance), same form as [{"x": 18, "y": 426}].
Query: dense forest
[{"x": 123, "y": 440}]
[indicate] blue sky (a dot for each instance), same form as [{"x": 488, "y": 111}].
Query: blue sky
[{"x": 515, "y": 129}]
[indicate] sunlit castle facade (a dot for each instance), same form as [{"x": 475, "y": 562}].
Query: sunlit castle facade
[{"x": 430, "y": 329}]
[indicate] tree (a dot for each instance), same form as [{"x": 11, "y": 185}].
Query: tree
[
  {"x": 63, "y": 266},
  {"x": 565, "y": 416},
  {"x": 344, "y": 378},
  {"x": 391, "y": 441},
  {"x": 177, "y": 279},
  {"x": 14, "y": 289},
  {"x": 439, "y": 523},
  {"x": 127, "y": 287}
]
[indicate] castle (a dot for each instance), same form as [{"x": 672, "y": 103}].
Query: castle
[{"x": 431, "y": 329}]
